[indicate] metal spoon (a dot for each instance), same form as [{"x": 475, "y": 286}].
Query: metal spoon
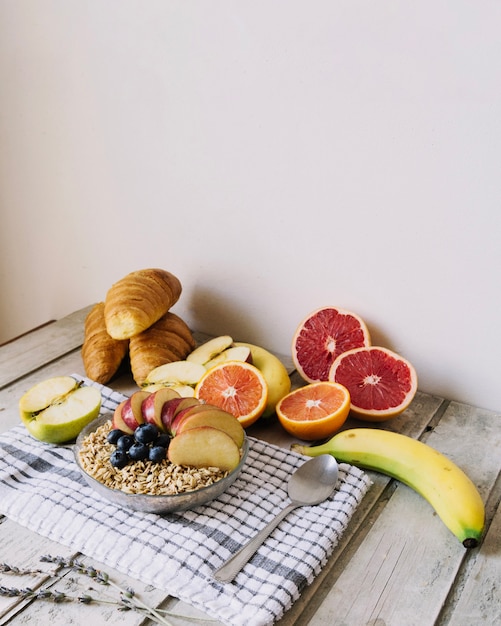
[{"x": 312, "y": 483}]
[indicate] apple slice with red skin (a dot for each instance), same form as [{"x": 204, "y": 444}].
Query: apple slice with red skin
[
  {"x": 216, "y": 418},
  {"x": 204, "y": 447},
  {"x": 131, "y": 410},
  {"x": 118, "y": 423},
  {"x": 190, "y": 410},
  {"x": 151, "y": 407},
  {"x": 172, "y": 407},
  {"x": 185, "y": 403}
]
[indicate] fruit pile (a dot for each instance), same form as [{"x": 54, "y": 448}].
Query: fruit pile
[
  {"x": 243, "y": 378},
  {"x": 192, "y": 409},
  {"x": 331, "y": 349},
  {"x": 192, "y": 433},
  {"x": 332, "y": 344}
]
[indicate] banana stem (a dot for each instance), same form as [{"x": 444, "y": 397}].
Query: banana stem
[{"x": 324, "y": 448}]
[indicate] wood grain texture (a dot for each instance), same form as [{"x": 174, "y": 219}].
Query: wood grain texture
[{"x": 38, "y": 348}]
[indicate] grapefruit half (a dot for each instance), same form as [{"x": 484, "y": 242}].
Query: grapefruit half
[
  {"x": 315, "y": 411},
  {"x": 381, "y": 383},
  {"x": 237, "y": 387},
  {"x": 322, "y": 336}
]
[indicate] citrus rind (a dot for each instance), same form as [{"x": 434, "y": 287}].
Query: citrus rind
[{"x": 323, "y": 421}]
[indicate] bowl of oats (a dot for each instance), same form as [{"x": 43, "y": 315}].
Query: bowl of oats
[{"x": 141, "y": 477}]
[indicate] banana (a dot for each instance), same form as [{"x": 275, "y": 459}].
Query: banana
[
  {"x": 274, "y": 372},
  {"x": 436, "y": 478}
]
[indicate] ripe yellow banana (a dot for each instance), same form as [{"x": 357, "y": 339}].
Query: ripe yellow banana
[{"x": 435, "y": 477}]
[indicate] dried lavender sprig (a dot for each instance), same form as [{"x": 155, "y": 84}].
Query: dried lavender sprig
[
  {"x": 5, "y": 568},
  {"x": 103, "y": 578},
  {"x": 127, "y": 595},
  {"x": 30, "y": 594}
]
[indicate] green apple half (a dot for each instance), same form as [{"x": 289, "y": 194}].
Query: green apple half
[{"x": 56, "y": 410}]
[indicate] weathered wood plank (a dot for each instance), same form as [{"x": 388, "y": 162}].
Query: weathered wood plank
[
  {"x": 479, "y": 600},
  {"x": 40, "y": 347}
]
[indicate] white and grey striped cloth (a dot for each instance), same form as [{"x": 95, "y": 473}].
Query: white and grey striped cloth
[{"x": 41, "y": 488}]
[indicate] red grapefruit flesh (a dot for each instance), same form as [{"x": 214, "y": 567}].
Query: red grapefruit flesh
[
  {"x": 381, "y": 383},
  {"x": 322, "y": 336}
]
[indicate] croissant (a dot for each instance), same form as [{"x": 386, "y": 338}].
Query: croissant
[
  {"x": 138, "y": 300},
  {"x": 101, "y": 354},
  {"x": 169, "y": 339}
]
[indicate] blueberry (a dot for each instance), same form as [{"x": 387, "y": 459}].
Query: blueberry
[
  {"x": 157, "y": 454},
  {"x": 114, "y": 435},
  {"x": 119, "y": 458},
  {"x": 146, "y": 433},
  {"x": 138, "y": 452},
  {"x": 125, "y": 442},
  {"x": 163, "y": 441}
]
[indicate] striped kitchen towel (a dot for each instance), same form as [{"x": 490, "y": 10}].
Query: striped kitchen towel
[{"x": 42, "y": 489}]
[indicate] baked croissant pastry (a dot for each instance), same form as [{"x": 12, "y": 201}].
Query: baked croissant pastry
[
  {"x": 169, "y": 339},
  {"x": 138, "y": 300},
  {"x": 101, "y": 354}
]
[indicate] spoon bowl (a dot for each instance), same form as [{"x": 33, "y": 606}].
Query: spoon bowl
[{"x": 312, "y": 483}]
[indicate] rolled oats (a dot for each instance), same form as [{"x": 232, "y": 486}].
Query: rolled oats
[{"x": 141, "y": 477}]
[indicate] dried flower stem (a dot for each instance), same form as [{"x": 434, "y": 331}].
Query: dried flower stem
[
  {"x": 127, "y": 595},
  {"x": 128, "y": 599}
]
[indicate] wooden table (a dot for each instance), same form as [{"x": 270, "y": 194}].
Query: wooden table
[{"x": 397, "y": 564}]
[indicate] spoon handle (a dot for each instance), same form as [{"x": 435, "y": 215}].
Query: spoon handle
[{"x": 227, "y": 572}]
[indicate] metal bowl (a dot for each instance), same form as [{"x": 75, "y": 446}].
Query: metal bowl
[{"x": 154, "y": 503}]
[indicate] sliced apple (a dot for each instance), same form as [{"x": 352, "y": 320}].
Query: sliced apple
[
  {"x": 131, "y": 410},
  {"x": 235, "y": 353},
  {"x": 172, "y": 407},
  {"x": 194, "y": 408},
  {"x": 118, "y": 422},
  {"x": 152, "y": 405},
  {"x": 185, "y": 404},
  {"x": 56, "y": 410},
  {"x": 208, "y": 350},
  {"x": 175, "y": 373},
  {"x": 204, "y": 446},
  {"x": 217, "y": 418},
  {"x": 46, "y": 393}
]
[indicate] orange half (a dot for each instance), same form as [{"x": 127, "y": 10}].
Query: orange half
[
  {"x": 237, "y": 387},
  {"x": 315, "y": 411}
]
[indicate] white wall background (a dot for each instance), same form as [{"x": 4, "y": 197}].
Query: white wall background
[{"x": 276, "y": 155}]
